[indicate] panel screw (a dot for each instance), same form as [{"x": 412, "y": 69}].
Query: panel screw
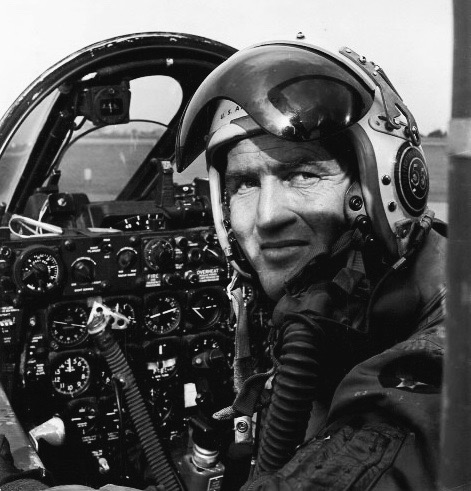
[
  {"x": 392, "y": 205},
  {"x": 386, "y": 179},
  {"x": 242, "y": 426}
]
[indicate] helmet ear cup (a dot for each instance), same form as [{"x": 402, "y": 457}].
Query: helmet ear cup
[{"x": 411, "y": 179}]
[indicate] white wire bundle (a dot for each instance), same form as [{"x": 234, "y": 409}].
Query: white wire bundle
[{"x": 38, "y": 230}]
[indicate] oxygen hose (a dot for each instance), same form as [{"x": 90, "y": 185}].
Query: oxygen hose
[
  {"x": 161, "y": 468},
  {"x": 294, "y": 390}
]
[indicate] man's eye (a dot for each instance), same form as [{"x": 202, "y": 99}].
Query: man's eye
[
  {"x": 302, "y": 177},
  {"x": 247, "y": 183},
  {"x": 241, "y": 185}
]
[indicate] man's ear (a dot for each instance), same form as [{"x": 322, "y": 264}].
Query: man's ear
[{"x": 354, "y": 204}]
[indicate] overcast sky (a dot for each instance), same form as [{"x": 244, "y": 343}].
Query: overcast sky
[{"x": 410, "y": 39}]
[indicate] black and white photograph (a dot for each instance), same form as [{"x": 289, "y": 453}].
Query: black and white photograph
[{"x": 235, "y": 245}]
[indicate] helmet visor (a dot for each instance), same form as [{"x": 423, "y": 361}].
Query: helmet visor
[{"x": 294, "y": 92}]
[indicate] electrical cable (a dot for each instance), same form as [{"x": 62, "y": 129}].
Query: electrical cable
[{"x": 160, "y": 466}]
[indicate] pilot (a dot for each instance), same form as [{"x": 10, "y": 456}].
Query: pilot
[{"x": 319, "y": 191}]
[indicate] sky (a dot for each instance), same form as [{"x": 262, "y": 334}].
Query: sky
[{"x": 410, "y": 39}]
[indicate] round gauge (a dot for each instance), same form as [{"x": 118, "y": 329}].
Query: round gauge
[
  {"x": 161, "y": 360},
  {"x": 260, "y": 318},
  {"x": 71, "y": 375},
  {"x": 68, "y": 324},
  {"x": 159, "y": 255},
  {"x": 125, "y": 308},
  {"x": 163, "y": 313},
  {"x": 205, "y": 308},
  {"x": 38, "y": 270},
  {"x": 205, "y": 343},
  {"x": 211, "y": 345},
  {"x": 162, "y": 369},
  {"x": 83, "y": 417}
]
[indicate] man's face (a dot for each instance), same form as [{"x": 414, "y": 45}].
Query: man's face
[{"x": 286, "y": 201}]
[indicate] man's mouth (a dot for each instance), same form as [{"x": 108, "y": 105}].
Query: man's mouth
[{"x": 280, "y": 244}]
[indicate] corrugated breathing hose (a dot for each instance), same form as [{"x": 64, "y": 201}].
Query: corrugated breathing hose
[
  {"x": 162, "y": 471},
  {"x": 294, "y": 390}
]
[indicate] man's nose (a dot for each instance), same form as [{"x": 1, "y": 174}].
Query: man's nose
[{"x": 273, "y": 208}]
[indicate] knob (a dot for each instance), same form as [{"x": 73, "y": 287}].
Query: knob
[
  {"x": 83, "y": 271},
  {"x": 171, "y": 279},
  {"x": 127, "y": 258},
  {"x": 215, "y": 256},
  {"x": 107, "y": 247},
  {"x": 191, "y": 277},
  {"x": 195, "y": 255},
  {"x": 5, "y": 252},
  {"x": 181, "y": 242}
]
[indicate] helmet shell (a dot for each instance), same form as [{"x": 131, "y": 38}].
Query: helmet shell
[{"x": 301, "y": 92}]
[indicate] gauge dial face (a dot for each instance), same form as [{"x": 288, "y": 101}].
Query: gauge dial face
[
  {"x": 125, "y": 308},
  {"x": 163, "y": 313},
  {"x": 203, "y": 344},
  {"x": 83, "y": 416},
  {"x": 161, "y": 361},
  {"x": 38, "y": 270},
  {"x": 206, "y": 307},
  {"x": 71, "y": 375},
  {"x": 68, "y": 324},
  {"x": 208, "y": 343},
  {"x": 149, "y": 221}
]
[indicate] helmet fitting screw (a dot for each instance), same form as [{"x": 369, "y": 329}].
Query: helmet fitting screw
[
  {"x": 392, "y": 205},
  {"x": 355, "y": 203},
  {"x": 242, "y": 427},
  {"x": 386, "y": 179},
  {"x": 362, "y": 60}
]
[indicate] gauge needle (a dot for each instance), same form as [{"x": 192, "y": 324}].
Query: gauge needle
[
  {"x": 196, "y": 310},
  {"x": 68, "y": 324},
  {"x": 162, "y": 313}
]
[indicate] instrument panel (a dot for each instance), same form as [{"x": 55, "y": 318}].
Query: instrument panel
[{"x": 179, "y": 340}]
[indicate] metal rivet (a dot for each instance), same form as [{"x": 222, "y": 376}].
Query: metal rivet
[
  {"x": 375, "y": 74},
  {"x": 348, "y": 50},
  {"x": 362, "y": 60},
  {"x": 355, "y": 203},
  {"x": 386, "y": 179},
  {"x": 392, "y": 205},
  {"x": 242, "y": 427}
]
